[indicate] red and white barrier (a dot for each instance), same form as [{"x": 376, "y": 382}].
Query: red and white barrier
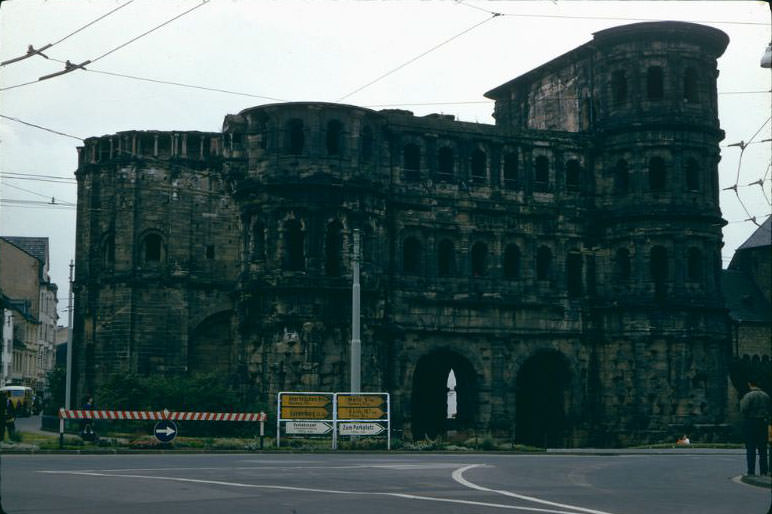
[{"x": 160, "y": 415}]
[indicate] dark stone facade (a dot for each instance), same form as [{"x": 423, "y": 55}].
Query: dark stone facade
[{"x": 564, "y": 262}]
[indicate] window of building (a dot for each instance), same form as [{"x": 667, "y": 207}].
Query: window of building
[
  {"x": 510, "y": 170},
  {"x": 655, "y": 89},
  {"x": 295, "y": 258},
  {"x": 691, "y": 93},
  {"x": 411, "y": 255},
  {"x": 479, "y": 259},
  {"x": 295, "y": 137},
  {"x": 445, "y": 162},
  {"x": 334, "y": 137},
  {"x": 622, "y": 265},
  {"x": 446, "y": 258},
  {"x": 258, "y": 241},
  {"x": 210, "y": 251},
  {"x": 333, "y": 249},
  {"x": 152, "y": 249},
  {"x": 621, "y": 177},
  {"x": 479, "y": 166},
  {"x": 659, "y": 270},
  {"x": 411, "y": 161},
  {"x": 692, "y": 175},
  {"x": 657, "y": 174},
  {"x": 541, "y": 173},
  {"x": 511, "y": 262},
  {"x": 367, "y": 142},
  {"x": 543, "y": 263},
  {"x": 573, "y": 175},
  {"x": 574, "y": 277},
  {"x": 619, "y": 86},
  {"x": 108, "y": 250},
  {"x": 694, "y": 265}
]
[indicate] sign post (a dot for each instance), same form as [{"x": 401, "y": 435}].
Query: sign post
[
  {"x": 309, "y": 414},
  {"x": 165, "y": 431}
]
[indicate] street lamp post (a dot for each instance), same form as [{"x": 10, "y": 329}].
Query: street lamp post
[{"x": 356, "y": 342}]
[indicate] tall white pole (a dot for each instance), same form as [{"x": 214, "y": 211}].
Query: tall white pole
[
  {"x": 356, "y": 342},
  {"x": 68, "y": 386}
]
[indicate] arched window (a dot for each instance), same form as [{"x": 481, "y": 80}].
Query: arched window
[
  {"x": 334, "y": 137},
  {"x": 333, "y": 249},
  {"x": 479, "y": 259},
  {"x": 511, "y": 262},
  {"x": 152, "y": 248},
  {"x": 655, "y": 83},
  {"x": 294, "y": 240},
  {"x": 543, "y": 263},
  {"x": 446, "y": 258},
  {"x": 692, "y": 173},
  {"x": 479, "y": 166},
  {"x": 541, "y": 173},
  {"x": 573, "y": 175},
  {"x": 621, "y": 177},
  {"x": 367, "y": 143},
  {"x": 657, "y": 179},
  {"x": 295, "y": 137},
  {"x": 258, "y": 241},
  {"x": 574, "y": 277},
  {"x": 445, "y": 162},
  {"x": 659, "y": 270},
  {"x": 411, "y": 255},
  {"x": 694, "y": 265},
  {"x": 108, "y": 250},
  {"x": 411, "y": 161},
  {"x": 691, "y": 92},
  {"x": 622, "y": 265},
  {"x": 619, "y": 86},
  {"x": 510, "y": 170}
]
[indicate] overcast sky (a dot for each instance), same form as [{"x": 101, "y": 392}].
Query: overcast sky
[{"x": 261, "y": 51}]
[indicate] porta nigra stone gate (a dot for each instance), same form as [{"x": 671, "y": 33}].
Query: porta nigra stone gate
[{"x": 563, "y": 262}]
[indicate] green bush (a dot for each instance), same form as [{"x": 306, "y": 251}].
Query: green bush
[{"x": 57, "y": 383}]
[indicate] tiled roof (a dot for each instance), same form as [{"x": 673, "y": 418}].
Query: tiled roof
[
  {"x": 761, "y": 237},
  {"x": 35, "y": 246},
  {"x": 743, "y": 298}
]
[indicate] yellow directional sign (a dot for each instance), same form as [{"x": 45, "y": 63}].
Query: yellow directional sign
[
  {"x": 305, "y": 413},
  {"x": 369, "y": 400},
  {"x": 305, "y": 400},
  {"x": 360, "y": 413}
]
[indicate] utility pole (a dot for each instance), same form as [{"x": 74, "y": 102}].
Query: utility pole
[
  {"x": 356, "y": 342},
  {"x": 68, "y": 373}
]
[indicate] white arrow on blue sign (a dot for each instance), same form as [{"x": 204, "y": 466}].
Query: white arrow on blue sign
[{"x": 165, "y": 431}]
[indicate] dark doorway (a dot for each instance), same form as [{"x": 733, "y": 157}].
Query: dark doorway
[
  {"x": 542, "y": 393},
  {"x": 430, "y": 394},
  {"x": 209, "y": 349}
]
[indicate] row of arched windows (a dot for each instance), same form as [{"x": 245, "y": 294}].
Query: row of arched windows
[
  {"x": 657, "y": 175},
  {"x": 655, "y": 85}
]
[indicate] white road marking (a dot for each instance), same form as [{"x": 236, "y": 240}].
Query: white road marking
[
  {"x": 327, "y": 491},
  {"x": 458, "y": 476}
]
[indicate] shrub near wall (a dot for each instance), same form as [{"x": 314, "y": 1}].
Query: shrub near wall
[{"x": 196, "y": 393}]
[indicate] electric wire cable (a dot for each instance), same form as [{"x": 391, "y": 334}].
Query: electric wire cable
[
  {"x": 40, "y": 127},
  {"x": 414, "y": 59}
]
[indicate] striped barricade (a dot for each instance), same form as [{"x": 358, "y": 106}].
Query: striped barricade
[{"x": 143, "y": 415}]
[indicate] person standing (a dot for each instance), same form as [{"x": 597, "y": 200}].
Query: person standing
[
  {"x": 10, "y": 419},
  {"x": 755, "y": 408}
]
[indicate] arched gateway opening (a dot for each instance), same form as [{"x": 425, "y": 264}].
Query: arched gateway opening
[
  {"x": 430, "y": 412},
  {"x": 542, "y": 400}
]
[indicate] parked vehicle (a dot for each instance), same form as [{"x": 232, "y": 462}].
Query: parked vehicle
[{"x": 21, "y": 397}]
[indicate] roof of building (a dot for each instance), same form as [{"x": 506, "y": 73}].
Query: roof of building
[
  {"x": 35, "y": 246},
  {"x": 760, "y": 238},
  {"x": 743, "y": 298}
]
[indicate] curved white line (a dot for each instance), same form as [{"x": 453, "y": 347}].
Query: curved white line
[
  {"x": 312, "y": 490},
  {"x": 458, "y": 476}
]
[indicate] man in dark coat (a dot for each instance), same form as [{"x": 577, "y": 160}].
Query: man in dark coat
[{"x": 755, "y": 408}]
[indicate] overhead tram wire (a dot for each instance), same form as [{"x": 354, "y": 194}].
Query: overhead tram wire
[
  {"x": 32, "y": 51},
  {"x": 435, "y": 47},
  {"x": 17, "y": 120}
]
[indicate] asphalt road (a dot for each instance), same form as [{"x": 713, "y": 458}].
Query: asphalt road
[{"x": 696, "y": 481}]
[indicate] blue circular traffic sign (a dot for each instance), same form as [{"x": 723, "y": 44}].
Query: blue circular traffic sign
[{"x": 165, "y": 431}]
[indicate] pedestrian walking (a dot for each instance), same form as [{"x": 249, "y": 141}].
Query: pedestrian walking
[
  {"x": 755, "y": 408},
  {"x": 10, "y": 419}
]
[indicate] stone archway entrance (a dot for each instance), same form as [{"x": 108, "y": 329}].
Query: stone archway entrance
[
  {"x": 430, "y": 394},
  {"x": 542, "y": 400},
  {"x": 210, "y": 345}
]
